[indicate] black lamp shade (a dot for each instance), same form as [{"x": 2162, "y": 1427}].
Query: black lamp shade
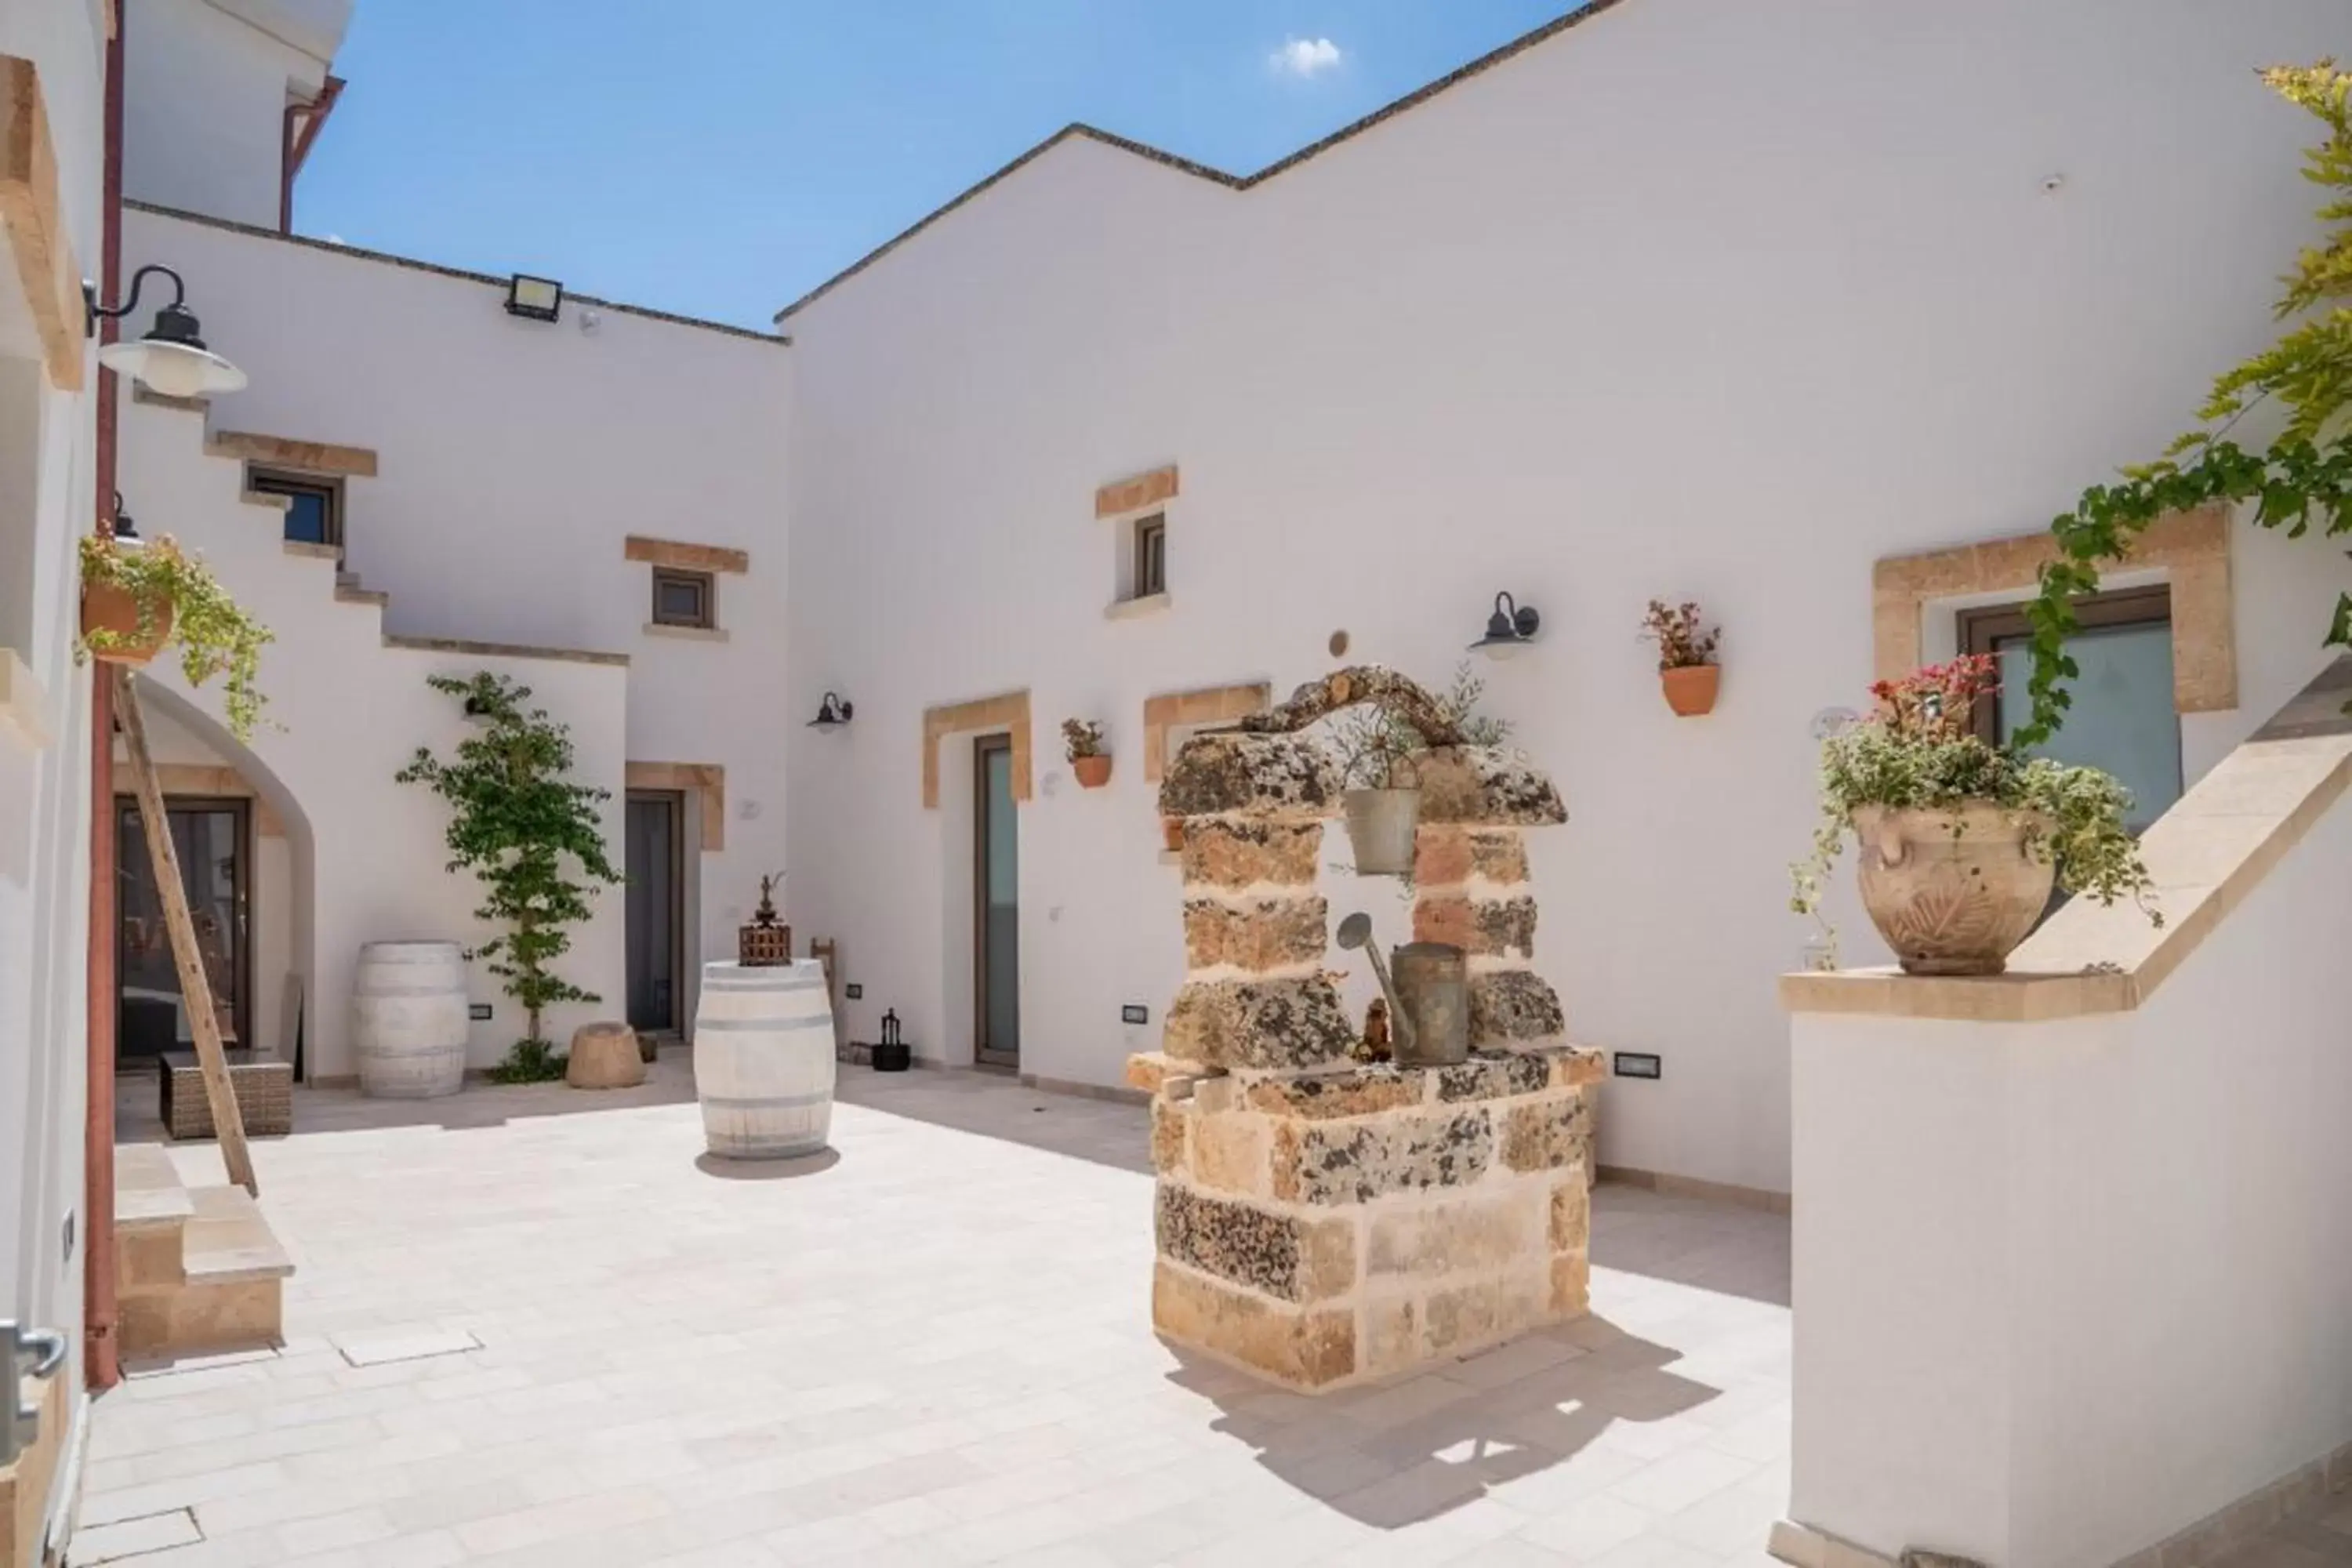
[{"x": 832, "y": 714}]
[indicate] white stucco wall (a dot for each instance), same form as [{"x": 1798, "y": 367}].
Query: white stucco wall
[
  {"x": 205, "y": 87},
  {"x": 1700, "y": 297},
  {"x": 2064, "y": 1289},
  {"x": 514, "y": 459},
  {"x": 47, "y": 503}
]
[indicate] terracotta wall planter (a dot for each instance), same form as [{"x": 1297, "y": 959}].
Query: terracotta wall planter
[
  {"x": 1690, "y": 689},
  {"x": 1954, "y": 891},
  {"x": 1092, "y": 772},
  {"x": 107, "y": 607}
]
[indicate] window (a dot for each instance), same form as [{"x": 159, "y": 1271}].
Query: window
[
  {"x": 685, "y": 598},
  {"x": 2124, "y": 718},
  {"x": 314, "y": 507},
  {"x": 1150, "y": 556}
]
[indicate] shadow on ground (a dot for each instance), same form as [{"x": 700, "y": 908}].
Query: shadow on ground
[
  {"x": 1396, "y": 1453},
  {"x": 1105, "y": 1132}
]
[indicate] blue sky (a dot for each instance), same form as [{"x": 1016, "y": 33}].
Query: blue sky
[{"x": 721, "y": 157}]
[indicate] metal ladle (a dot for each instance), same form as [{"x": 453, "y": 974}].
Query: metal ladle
[{"x": 1356, "y": 931}]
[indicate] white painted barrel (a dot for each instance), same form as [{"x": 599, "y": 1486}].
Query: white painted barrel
[
  {"x": 408, "y": 1006},
  {"x": 764, "y": 1060}
]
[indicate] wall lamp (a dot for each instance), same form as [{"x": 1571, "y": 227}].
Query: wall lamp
[
  {"x": 534, "y": 299},
  {"x": 172, "y": 358},
  {"x": 832, "y": 713},
  {"x": 123, "y": 527},
  {"x": 1511, "y": 627}
]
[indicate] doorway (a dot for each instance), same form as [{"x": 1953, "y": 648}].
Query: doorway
[
  {"x": 214, "y": 841},
  {"x": 2123, "y": 719},
  {"x": 655, "y": 908},
  {"x": 996, "y": 897}
]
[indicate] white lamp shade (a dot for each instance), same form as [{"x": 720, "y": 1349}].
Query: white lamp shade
[{"x": 175, "y": 370}]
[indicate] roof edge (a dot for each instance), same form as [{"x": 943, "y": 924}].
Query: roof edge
[
  {"x": 1389, "y": 111},
  {"x": 463, "y": 274}
]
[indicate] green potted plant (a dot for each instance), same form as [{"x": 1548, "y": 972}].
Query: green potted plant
[
  {"x": 140, "y": 596},
  {"x": 1687, "y": 666},
  {"x": 1082, "y": 742},
  {"x": 1961, "y": 840}
]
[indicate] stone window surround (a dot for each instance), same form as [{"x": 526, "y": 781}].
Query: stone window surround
[
  {"x": 1132, "y": 502},
  {"x": 1173, "y": 710},
  {"x": 284, "y": 452},
  {"x": 2191, "y": 549},
  {"x": 33, "y": 226},
  {"x": 1007, "y": 713},
  {"x": 683, "y": 557},
  {"x": 215, "y": 782},
  {"x": 704, "y": 783}
]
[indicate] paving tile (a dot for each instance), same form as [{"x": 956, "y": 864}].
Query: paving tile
[{"x": 130, "y": 1537}]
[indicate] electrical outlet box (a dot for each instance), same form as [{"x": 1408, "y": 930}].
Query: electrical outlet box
[
  {"x": 1134, "y": 1013},
  {"x": 479, "y": 1012},
  {"x": 1640, "y": 1064},
  {"x": 855, "y": 992}
]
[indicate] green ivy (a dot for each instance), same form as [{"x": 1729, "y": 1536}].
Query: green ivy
[
  {"x": 516, "y": 819},
  {"x": 2301, "y": 480},
  {"x": 214, "y": 635}
]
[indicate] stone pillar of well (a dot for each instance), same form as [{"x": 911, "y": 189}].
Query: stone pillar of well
[{"x": 1321, "y": 1221}]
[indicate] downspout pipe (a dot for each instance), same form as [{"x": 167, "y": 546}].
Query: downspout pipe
[{"x": 294, "y": 144}]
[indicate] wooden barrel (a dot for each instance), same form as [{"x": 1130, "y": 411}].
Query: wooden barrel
[
  {"x": 764, "y": 1060},
  {"x": 408, "y": 1004}
]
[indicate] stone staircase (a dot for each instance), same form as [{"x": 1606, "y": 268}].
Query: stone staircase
[{"x": 196, "y": 1270}]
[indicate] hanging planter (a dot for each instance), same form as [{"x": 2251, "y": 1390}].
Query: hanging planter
[
  {"x": 1171, "y": 834},
  {"x": 1687, "y": 668},
  {"x": 120, "y": 627},
  {"x": 1381, "y": 823},
  {"x": 139, "y": 595},
  {"x": 1377, "y": 745},
  {"x": 1082, "y": 742}
]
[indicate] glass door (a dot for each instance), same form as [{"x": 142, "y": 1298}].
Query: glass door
[
  {"x": 214, "y": 843},
  {"x": 996, "y": 918},
  {"x": 655, "y": 924}
]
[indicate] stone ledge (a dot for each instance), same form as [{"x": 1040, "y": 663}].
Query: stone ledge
[
  {"x": 1137, "y": 492},
  {"x": 683, "y": 557},
  {"x": 504, "y": 650},
  {"x": 284, "y": 452}
]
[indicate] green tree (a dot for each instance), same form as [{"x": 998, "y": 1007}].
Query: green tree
[
  {"x": 516, "y": 819},
  {"x": 2301, "y": 479}
]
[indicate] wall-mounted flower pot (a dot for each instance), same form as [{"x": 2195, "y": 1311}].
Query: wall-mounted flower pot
[
  {"x": 1092, "y": 772},
  {"x": 1690, "y": 689},
  {"x": 1381, "y": 823},
  {"x": 1171, "y": 834},
  {"x": 109, "y": 607}
]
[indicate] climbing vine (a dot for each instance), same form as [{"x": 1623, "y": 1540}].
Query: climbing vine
[
  {"x": 517, "y": 819},
  {"x": 2302, "y": 480}
]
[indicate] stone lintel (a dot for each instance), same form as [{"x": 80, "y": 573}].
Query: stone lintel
[
  {"x": 680, "y": 556},
  {"x": 1281, "y": 778}
]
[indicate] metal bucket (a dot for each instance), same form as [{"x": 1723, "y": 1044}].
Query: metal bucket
[
  {"x": 1433, "y": 984},
  {"x": 1381, "y": 823}
]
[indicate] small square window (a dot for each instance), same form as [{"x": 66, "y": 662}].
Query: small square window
[
  {"x": 1150, "y": 556},
  {"x": 314, "y": 507},
  {"x": 685, "y": 598}
]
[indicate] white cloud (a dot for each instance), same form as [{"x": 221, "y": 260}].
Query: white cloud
[{"x": 1306, "y": 57}]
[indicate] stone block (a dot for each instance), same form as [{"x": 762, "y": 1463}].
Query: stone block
[
  {"x": 1354, "y": 1162},
  {"x": 1230, "y": 853},
  {"x": 147, "y": 1258},
  {"x": 1511, "y": 1005},
  {"x": 1259, "y": 1024},
  {"x": 1392, "y": 1334},
  {"x": 1571, "y": 1211},
  {"x": 1460, "y": 1319},
  {"x": 1495, "y": 1075},
  {"x": 1485, "y": 786},
  {"x": 1441, "y": 855},
  {"x": 1498, "y": 855},
  {"x": 237, "y": 1315},
  {"x": 1263, "y": 934},
  {"x": 1573, "y": 1067},
  {"x": 1548, "y": 1134},
  {"x": 1287, "y": 1257},
  {"x": 1327, "y": 1095},
  {"x": 1230, "y": 1153},
  {"x": 1309, "y": 1348},
  {"x": 1168, "y": 1138},
  {"x": 1571, "y": 1278},
  {"x": 1280, "y": 778},
  {"x": 1484, "y": 1234}
]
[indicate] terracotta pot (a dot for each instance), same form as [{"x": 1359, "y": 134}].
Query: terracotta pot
[
  {"x": 107, "y": 607},
  {"x": 1954, "y": 891},
  {"x": 1691, "y": 688},
  {"x": 1092, "y": 772},
  {"x": 1171, "y": 834}
]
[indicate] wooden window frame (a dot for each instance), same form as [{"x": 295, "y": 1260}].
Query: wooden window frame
[
  {"x": 1983, "y": 630},
  {"x": 241, "y": 944},
  {"x": 262, "y": 479},
  {"x": 1150, "y": 548},
  {"x": 705, "y": 583},
  {"x": 983, "y": 747}
]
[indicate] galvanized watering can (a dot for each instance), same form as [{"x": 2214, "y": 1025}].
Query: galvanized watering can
[{"x": 1428, "y": 987}]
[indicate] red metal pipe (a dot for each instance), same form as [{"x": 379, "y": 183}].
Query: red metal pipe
[
  {"x": 101, "y": 1357},
  {"x": 294, "y": 147}
]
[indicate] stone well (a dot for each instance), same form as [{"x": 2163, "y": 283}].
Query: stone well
[{"x": 1321, "y": 1221}]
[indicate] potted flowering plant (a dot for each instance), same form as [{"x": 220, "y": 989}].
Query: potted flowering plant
[
  {"x": 1687, "y": 666},
  {"x": 140, "y": 596},
  {"x": 1082, "y": 742},
  {"x": 1377, "y": 749},
  {"x": 1961, "y": 840}
]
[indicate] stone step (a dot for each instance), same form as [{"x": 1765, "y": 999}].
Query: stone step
[
  {"x": 231, "y": 1293},
  {"x": 151, "y": 1211},
  {"x": 358, "y": 595},
  {"x": 229, "y": 1240}
]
